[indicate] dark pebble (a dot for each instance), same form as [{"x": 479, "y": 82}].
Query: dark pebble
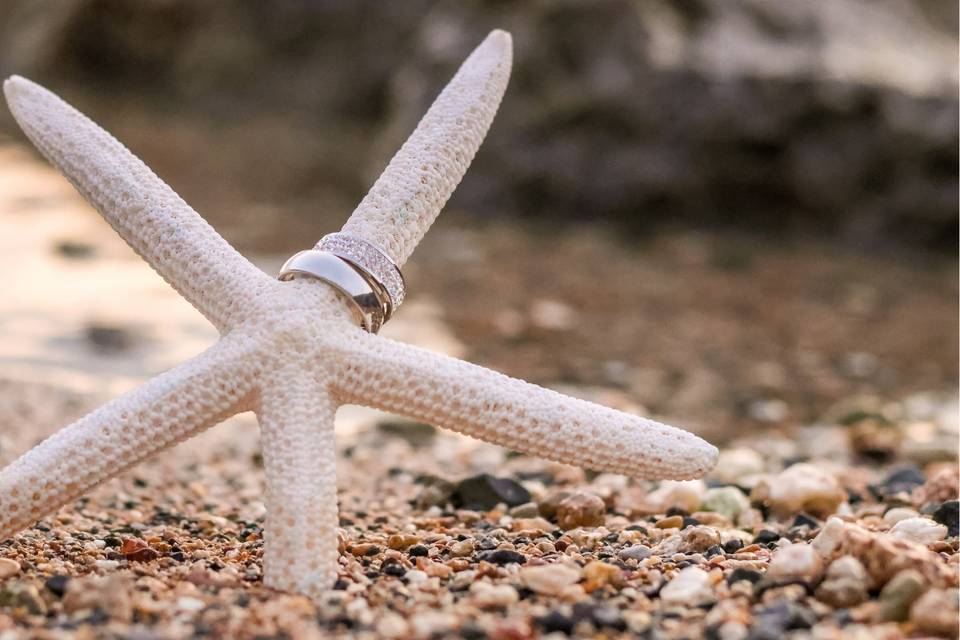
[
  {"x": 555, "y": 621},
  {"x": 766, "y": 537},
  {"x": 503, "y": 556},
  {"x": 484, "y": 492},
  {"x": 803, "y": 520},
  {"x": 732, "y": 546},
  {"x": 715, "y": 550},
  {"x": 113, "y": 541},
  {"x": 740, "y": 573},
  {"x": 947, "y": 514},
  {"x": 340, "y": 585},
  {"x": 903, "y": 479},
  {"x": 418, "y": 551},
  {"x": 394, "y": 569},
  {"x": 57, "y": 585},
  {"x": 689, "y": 522},
  {"x": 771, "y": 622}
]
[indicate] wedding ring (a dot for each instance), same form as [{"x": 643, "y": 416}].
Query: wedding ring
[
  {"x": 367, "y": 304},
  {"x": 372, "y": 262}
]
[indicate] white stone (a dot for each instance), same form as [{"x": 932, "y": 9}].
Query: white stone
[
  {"x": 895, "y": 515},
  {"x": 684, "y": 494},
  {"x": 796, "y": 562},
  {"x": 830, "y": 537},
  {"x": 801, "y": 487},
  {"x": 690, "y": 587},
  {"x": 735, "y": 464},
  {"x": 549, "y": 579},
  {"x": 920, "y": 530}
]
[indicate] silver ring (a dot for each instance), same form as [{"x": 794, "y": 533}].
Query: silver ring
[
  {"x": 367, "y": 304},
  {"x": 372, "y": 262}
]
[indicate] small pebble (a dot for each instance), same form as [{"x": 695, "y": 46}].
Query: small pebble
[
  {"x": 635, "y": 552},
  {"x": 549, "y": 579},
  {"x": 8, "y": 568},
  {"x": 727, "y": 501},
  {"x": 801, "y": 487},
  {"x": 796, "y": 562},
  {"x": 581, "y": 509},
  {"x": 698, "y": 539},
  {"x": 947, "y": 514},
  {"x": 895, "y": 515},
  {"x": 484, "y": 492},
  {"x": 935, "y": 613},
  {"x": 677, "y": 494},
  {"x": 672, "y": 522},
  {"x": 919, "y": 530},
  {"x": 503, "y": 557},
  {"x": 690, "y": 587},
  {"x": 525, "y": 510},
  {"x": 462, "y": 548},
  {"x": 899, "y": 594}
]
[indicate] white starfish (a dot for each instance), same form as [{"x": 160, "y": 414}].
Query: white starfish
[{"x": 291, "y": 351}]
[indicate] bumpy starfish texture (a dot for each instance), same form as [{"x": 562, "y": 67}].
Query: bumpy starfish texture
[{"x": 290, "y": 351}]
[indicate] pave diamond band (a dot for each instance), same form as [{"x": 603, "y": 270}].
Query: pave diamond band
[{"x": 371, "y": 261}]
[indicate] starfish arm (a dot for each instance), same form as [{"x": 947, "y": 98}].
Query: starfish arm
[
  {"x": 166, "y": 410},
  {"x": 299, "y": 454},
  {"x": 148, "y": 214},
  {"x": 420, "y": 178},
  {"x": 490, "y": 406}
]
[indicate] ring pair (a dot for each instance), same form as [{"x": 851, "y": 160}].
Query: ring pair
[{"x": 364, "y": 275}]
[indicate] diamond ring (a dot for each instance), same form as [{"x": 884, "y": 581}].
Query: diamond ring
[{"x": 373, "y": 263}]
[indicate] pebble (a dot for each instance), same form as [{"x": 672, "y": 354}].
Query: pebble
[
  {"x": 599, "y": 574},
  {"x": 503, "y": 557},
  {"x": 484, "y": 492},
  {"x": 796, "y": 562},
  {"x": 935, "y": 613},
  {"x": 901, "y": 480},
  {"x": 635, "y": 552},
  {"x": 549, "y": 579},
  {"x": 462, "y": 548},
  {"x": 671, "y": 522},
  {"x": 801, "y": 487},
  {"x": 690, "y": 587},
  {"x": 774, "y": 620},
  {"x": 920, "y": 530},
  {"x": 392, "y": 625},
  {"x": 845, "y": 584},
  {"x": 525, "y": 510},
  {"x": 435, "y": 492},
  {"x": 948, "y": 515},
  {"x": 735, "y": 464},
  {"x": 488, "y": 596},
  {"x": 698, "y": 538},
  {"x": 400, "y": 541},
  {"x": 581, "y": 509},
  {"x": 899, "y": 594},
  {"x": 106, "y": 565},
  {"x": 8, "y": 568},
  {"x": 727, "y": 501},
  {"x": 830, "y": 537},
  {"x": 677, "y": 494},
  {"x": 895, "y": 515}
]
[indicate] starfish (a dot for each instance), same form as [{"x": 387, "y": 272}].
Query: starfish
[{"x": 291, "y": 351}]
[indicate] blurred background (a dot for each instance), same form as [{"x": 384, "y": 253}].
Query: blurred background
[{"x": 736, "y": 214}]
